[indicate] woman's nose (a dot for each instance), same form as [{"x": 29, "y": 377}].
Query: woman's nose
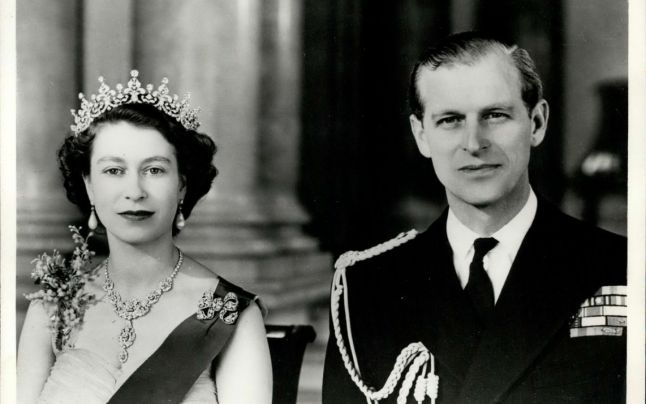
[{"x": 134, "y": 188}]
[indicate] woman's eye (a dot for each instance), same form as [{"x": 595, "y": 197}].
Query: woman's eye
[
  {"x": 113, "y": 171},
  {"x": 155, "y": 170}
]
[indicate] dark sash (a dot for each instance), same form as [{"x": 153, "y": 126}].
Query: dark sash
[{"x": 169, "y": 373}]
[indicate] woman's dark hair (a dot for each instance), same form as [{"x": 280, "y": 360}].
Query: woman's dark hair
[{"x": 194, "y": 153}]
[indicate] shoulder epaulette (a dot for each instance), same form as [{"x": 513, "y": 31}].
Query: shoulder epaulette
[{"x": 349, "y": 258}]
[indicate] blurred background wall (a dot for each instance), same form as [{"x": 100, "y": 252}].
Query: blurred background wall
[
  {"x": 306, "y": 100},
  {"x": 355, "y": 114}
]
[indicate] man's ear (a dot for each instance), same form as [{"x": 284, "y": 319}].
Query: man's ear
[
  {"x": 539, "y": 117},
  {"x": 417, "y": 127},
  {"x": 88, "y": 188}
]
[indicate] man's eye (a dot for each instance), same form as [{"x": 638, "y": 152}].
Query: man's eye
[
  {"x": 449, "y": 121},
  {"x": 496, "y": 116}
]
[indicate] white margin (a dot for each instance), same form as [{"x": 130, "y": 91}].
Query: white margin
[
  {"x": 636, "y": 199},
  {"x": 8, "y": 201}
]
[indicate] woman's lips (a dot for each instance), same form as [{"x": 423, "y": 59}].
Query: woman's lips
[{"x": 136, "y": 215}]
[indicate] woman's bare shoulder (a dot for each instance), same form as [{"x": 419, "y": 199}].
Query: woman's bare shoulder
[
  {"x": 196, "y": 277},
  {"x": 195, "y": 269}
]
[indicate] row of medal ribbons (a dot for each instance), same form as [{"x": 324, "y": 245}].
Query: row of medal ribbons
[{"x": 603, "y": 314}]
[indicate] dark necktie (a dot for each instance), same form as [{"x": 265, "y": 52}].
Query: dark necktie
[{"x": 479, "y": 286}]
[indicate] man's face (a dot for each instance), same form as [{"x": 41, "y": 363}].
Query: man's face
[{"x": 477, "y": 130}]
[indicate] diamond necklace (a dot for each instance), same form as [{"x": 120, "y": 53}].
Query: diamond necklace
[{"x": 135, "y": 308}]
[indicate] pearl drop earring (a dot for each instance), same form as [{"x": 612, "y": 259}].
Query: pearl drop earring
[
  {"x": 180, "y": 222},
  {"x": 92, "y": 222}
]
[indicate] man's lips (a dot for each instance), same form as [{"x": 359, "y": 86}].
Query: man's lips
[
  {"x": 136, "y": 214},
  {"x": 475, "y": 168}
]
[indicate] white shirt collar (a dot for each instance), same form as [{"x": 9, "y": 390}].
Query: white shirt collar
[
  {"x": 501, "y": 257},
  {"x": 511, "y": 235}
]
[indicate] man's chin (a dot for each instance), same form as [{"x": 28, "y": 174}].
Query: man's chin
[
  {"x": 488, "y": 199},
  {"x": 480, "y": 200}
]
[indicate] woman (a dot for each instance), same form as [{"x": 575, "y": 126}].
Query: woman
[{"x": 137, "y": 166}]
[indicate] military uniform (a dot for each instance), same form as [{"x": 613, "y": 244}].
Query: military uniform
[{"x": 536, "y": 350}]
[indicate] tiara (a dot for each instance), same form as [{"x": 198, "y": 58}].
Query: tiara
[{"x": 134, "y": 93}]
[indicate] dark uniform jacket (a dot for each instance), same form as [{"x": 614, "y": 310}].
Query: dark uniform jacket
[{"x": 412, "y": 293}]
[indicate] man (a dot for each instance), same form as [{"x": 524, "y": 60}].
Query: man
[{"x": 517, "y": 302}]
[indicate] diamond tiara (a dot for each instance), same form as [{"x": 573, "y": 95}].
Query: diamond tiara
[{"x": 134, "y": 93}]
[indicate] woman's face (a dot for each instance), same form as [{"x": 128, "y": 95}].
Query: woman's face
[{"x": 134, "y": 182}]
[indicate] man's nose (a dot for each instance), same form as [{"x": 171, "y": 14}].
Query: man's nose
[
  {"x": 134, "y": 188},
  {"x": 474, "y": 138}
]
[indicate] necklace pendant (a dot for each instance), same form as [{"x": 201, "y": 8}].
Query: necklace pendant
[
  {"x": 127, "y": 335},
  {"x": 132, "y": 309},
  {"x": 123, "y": 356}
]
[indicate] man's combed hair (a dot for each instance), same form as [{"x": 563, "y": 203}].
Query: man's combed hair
[{"x": 467, "y": 48}]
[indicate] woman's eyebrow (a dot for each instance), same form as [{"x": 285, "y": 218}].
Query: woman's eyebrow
[
  {"x": 160, "y": 159},
  {"x": 115, "y": 159},
  {"x": 110, "y": 159}
]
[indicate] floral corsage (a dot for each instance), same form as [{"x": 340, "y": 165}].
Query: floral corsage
[{"x": 62, "y": 289}]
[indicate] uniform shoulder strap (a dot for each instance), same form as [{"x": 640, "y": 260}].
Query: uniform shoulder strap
[
  {"x": 349, "y": 258},
  {"x": 416, "y": 357}
]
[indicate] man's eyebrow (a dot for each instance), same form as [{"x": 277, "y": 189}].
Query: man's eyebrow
[
  {"x": 445, "y": 113},
  {"x": 505, "y": 106}
]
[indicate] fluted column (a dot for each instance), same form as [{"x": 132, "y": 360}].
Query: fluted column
[
  {"x": 46, "y": 31},
  {"x": 209, "y": 48},
  {"x": 280, "y": 95},
  {"x": 47, "y": 34},
  {"x": 107, "y": 42},
  {"x": 241, "y": 62}
]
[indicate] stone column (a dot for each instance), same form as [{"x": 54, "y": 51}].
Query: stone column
[
  {"x": 47, "y": 35},
  {"x": 280, "y": 95},
  {"x": 241, "y": 62},
  {"x": 107, "y": 43}
]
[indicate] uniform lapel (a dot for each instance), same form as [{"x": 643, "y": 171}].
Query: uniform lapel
[
  {"x": 451, "y": 329},
  {"x": 535, "y": 302}
]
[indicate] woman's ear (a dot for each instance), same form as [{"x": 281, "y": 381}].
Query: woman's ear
[
  {"x": 182, "y": 186},
  {"x": 88, "y": 188}
]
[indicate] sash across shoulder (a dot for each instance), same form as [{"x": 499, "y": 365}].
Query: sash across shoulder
[{"x": 169, "y": 373}]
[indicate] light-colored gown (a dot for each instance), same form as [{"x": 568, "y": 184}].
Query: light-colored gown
[{"x": 81, "y": 376}]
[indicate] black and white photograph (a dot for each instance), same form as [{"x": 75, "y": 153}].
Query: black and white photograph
[{"x": 322, "y": 202}]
